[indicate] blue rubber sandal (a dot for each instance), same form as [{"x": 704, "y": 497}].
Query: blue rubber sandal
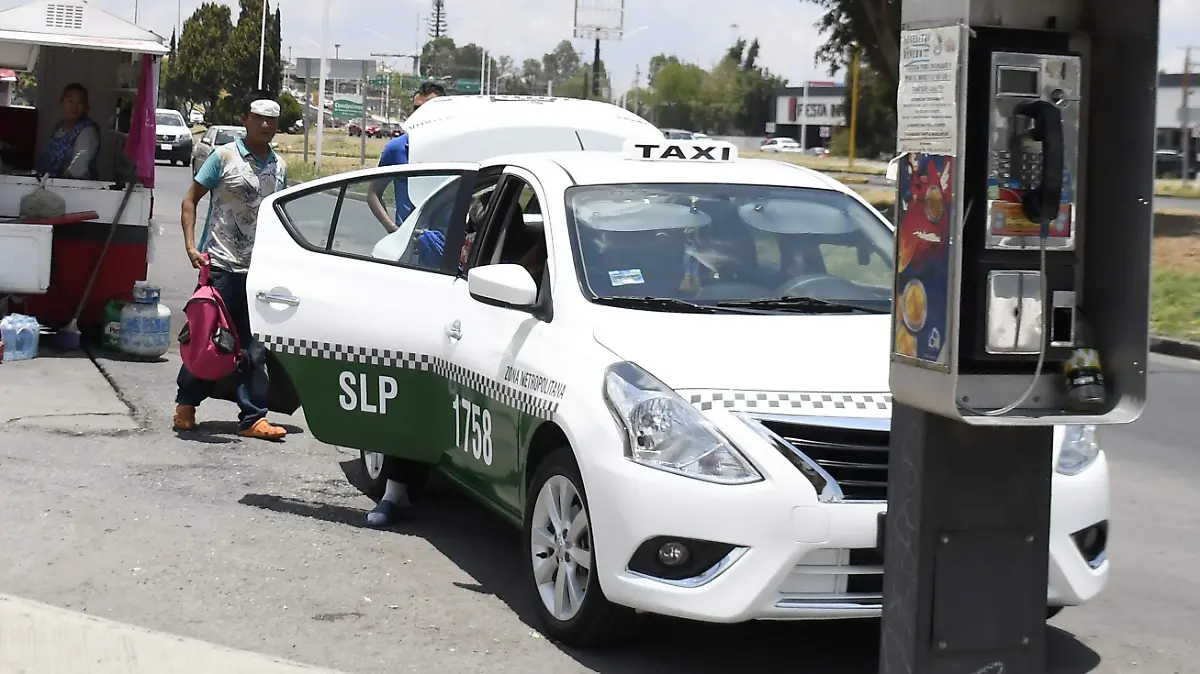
[{"x": 385, "y": 515}]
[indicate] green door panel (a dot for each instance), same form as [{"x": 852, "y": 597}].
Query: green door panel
[
  {"x": 483, "y": 452},
  {"x": 386, "y": 408}
]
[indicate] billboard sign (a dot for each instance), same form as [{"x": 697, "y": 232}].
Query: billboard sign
[{"x": 599, "y": 19}]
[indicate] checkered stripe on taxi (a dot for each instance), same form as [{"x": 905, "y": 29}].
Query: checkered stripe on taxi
[
  {"x": 789, "y": 401},
  {"x": 493, "y": 389}
]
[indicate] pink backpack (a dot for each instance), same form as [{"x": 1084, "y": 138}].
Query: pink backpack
[{"x": 208, "y": 344}]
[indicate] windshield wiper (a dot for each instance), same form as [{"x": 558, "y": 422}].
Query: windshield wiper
[
  {"x": 802, "y": 304},
  {"x": 672, "y": 304}
]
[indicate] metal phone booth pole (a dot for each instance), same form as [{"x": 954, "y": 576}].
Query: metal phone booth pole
[{"x": 1023, "y": 228}]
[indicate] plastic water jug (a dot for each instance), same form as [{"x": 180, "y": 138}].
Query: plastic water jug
[
  {"x": 145, "y": 323},
  {"x": 21, "y": 335}
]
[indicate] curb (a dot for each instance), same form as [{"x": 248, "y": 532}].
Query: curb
[{"x": 1178, "y": 348}]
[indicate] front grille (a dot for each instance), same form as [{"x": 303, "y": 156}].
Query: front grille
[
  {"x": 166, "y": 139},
  {"x": 857, "y": 459}
]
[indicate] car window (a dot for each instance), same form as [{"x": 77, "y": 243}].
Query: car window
[
  {"x": 226, "y": 136},
  {"x": 343, "y": 218},
  {"x": 515, "y": 232},
  {"x": 169, "y": 119},
  {"x": 708, "y": 243}
]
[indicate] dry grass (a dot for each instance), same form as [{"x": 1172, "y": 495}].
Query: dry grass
[
  {"x": 335, "y": 143},
  {"x": 823, "y": 164},
  {"x": 1177, "y": 188}
]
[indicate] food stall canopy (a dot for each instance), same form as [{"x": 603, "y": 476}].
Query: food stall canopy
[{"x": 73, "y": 24}]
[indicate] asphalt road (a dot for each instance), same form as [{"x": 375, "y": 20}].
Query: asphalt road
[{"x": 258, "y": 546}]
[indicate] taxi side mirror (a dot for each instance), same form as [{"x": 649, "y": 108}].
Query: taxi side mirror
[{"x": 505, "y": 285}]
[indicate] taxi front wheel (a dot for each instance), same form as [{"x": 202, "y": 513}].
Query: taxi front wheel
[{"x": 561, "y": 573}]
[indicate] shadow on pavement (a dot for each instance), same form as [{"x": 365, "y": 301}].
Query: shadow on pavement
[{"x": 488, "y": 549}]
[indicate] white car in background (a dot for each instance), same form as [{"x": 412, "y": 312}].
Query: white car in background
[
  {"x": 668, "y": 366},
  {"x": 173, "y": 137},
  {"x": 781, "y": 145},
  {"x": 213, "y": 138}
]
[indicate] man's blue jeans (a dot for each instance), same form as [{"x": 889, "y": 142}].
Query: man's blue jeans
[{"x": 252, "y": 383}]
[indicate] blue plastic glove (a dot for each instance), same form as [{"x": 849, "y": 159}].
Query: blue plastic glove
[{"x": 430, "y": 247}]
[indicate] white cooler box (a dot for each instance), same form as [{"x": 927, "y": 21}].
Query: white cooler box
[{"x": 25, "y": 258}]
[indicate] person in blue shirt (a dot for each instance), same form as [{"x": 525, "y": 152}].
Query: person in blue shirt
[{"x": 395, "y": 153}]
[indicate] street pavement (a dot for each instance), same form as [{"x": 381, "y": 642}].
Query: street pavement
[{"x": 259, "y": 546}]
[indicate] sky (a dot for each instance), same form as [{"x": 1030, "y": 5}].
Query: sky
[{"x": 695, "y": 30}]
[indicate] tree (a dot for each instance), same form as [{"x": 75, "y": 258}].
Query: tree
[
  {"x": 244, "y": 52},
  {"x": 173, "y": 45},
  {"x": 25, "y": 92},
  {"x": 876, "y": 133},
  {"x": 202, "y": 70},
  {"x": 562, "y": 63},
  {"x": 579, "y": 85},
  {"x": 290, "y": 112},
  {"x": 442, "y": 58},
  {"x": 872, "y": 25}
]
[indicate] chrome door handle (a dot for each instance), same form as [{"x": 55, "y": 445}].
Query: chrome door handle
[
  {"x": 454, "y": 330},
  {"x": 277, "y": 298}
]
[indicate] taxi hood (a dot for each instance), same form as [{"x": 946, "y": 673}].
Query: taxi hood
[{"x": 793, "y": 353}]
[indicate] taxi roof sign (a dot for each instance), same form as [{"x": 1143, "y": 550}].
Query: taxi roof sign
[{"x": 681, "y": 150}]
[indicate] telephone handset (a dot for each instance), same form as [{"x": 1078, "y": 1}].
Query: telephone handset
[{"x": 1041, "y": 202}]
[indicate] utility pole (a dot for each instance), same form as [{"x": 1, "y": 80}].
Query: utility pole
[
  {"x": 637, "y": 85},
  {"x": 595, "y": 71},
  {"x": 262, "y": 46},
  {"x": 854, "y": 108},
  {"x": 1185, "y": 120}
]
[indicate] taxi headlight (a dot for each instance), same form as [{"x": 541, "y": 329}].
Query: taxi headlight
[
  {"x": 664, "y": 432},
  {"x": 1079, "y": 449}
]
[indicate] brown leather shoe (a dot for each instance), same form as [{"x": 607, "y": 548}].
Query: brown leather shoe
[
  {"x": 264, "y": 430},
  {"x": 185, "y": 418}
]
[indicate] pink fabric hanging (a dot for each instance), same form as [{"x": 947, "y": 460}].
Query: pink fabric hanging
[{"x": 139, "y": 146}]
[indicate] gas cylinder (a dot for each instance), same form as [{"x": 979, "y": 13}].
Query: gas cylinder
[{"x": 145, "y": 323}]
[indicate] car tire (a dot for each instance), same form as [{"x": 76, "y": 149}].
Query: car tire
[
  {"x": 375, "y": 469},
  {"x": 591, "y": 620}
]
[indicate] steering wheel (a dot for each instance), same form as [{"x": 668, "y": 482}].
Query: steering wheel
[{"x": 803, "y": 285}]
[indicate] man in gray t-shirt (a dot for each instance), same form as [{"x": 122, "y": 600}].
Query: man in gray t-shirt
[{"x": 237, "y": 177}]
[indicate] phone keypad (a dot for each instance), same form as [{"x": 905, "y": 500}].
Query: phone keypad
[{"x": 1027, "y": 173}]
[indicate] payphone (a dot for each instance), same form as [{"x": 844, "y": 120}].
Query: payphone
[
  {"x": 1023, "y": 230},
  {"x": 997, "y": 316}
]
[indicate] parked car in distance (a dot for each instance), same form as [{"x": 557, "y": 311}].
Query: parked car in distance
[
  {"x": 172, "y": 137},
  {"x": 196, "y": 117},
  {"x": 1169, "y": 164},
  {"x": 215, "y": 137},
  {"x": 353, "y": 129},
  {"x": 781, "y": 145},
  {"x": 679, "y": 134},
  {"x": 818, "y": 151}
]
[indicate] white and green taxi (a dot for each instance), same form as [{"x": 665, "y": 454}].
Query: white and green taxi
[{"x": 666, "y": 364}]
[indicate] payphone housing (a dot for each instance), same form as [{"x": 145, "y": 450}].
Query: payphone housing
[{"x": 1044, "y": 278}]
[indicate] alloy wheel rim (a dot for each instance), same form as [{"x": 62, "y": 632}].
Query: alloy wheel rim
[
  {"x": 560, "y": 548},
  {"x": 374, "y": 463}
]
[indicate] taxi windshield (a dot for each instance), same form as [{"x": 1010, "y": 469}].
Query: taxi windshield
[{"x": 716, "y": 245}]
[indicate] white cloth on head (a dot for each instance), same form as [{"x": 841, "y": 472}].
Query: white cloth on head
[{"x": 264, "y": 108}]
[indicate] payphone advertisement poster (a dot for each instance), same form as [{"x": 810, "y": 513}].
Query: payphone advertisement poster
[
  {"x": 927, "y": 113},
  {"x": 924, "y": 211}
]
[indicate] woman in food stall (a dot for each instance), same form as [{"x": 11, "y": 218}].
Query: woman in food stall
[{"x": 73, "y": 147}]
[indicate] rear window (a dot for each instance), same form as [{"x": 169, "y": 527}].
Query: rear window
[{"x": 226, "y": 136}]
